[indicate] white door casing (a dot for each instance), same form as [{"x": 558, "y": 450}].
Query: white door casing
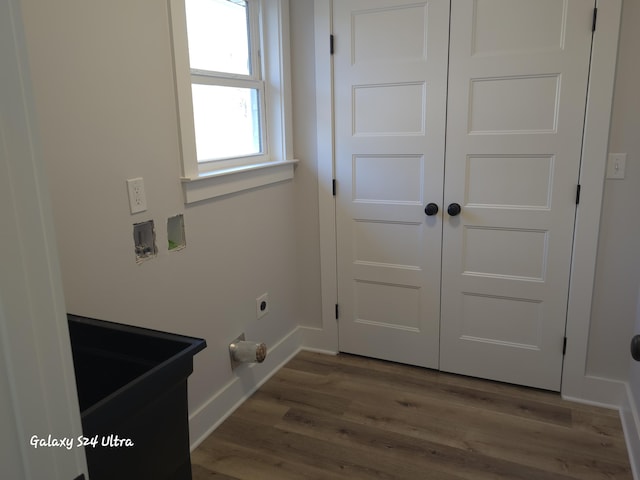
[
  {"x": 513, "y": 153},
  {"x": 390, "y": 100},
  {"x": 39, "y": 395}
]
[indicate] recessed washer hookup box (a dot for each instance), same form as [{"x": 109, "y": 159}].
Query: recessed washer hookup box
[{"x": 132, "y": 389}]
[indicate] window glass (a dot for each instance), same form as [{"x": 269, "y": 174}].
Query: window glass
[
  {"x": 227, "y": 122},
  {"x": 218, "y": 35}
]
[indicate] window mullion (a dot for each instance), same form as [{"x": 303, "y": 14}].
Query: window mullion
[
  {"x": 200, "y": 79},
  {"x": 212, "y": 73},
  {"x": 255, "y": 36}
]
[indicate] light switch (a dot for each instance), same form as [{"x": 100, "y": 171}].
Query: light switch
[{"x": 616, "y": 165}]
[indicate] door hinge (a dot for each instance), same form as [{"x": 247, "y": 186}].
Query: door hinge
[
  {"x": 333, "y": 187},
  {"x": 331, "y": 44},
  {"x": 564, "y": 346},
  {"x": 595, "y": 19},
  {"x": 578, "y": 194},
  {"x": 337, "y": 312}
]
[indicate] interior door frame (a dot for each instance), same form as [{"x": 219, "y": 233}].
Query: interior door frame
[
  {"x": 37, "y": 383},
  {"x": 576, "y": 383}
]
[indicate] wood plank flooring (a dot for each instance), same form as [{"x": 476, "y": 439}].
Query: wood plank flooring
[{"x": 348, "y": 417}]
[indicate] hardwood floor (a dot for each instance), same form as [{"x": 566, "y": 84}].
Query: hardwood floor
[{"x": 348, "y": 417}]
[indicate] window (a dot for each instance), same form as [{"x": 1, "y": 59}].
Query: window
[
  {"x": 226, "y": 80},
  {"x": 232, "y": 75}
]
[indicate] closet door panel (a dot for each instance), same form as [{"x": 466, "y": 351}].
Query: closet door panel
[
  {"x": 390, "y": 67},
  {"x": 516, "y": 105}
]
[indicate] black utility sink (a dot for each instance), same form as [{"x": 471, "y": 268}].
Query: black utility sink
[{"x": 132, "y": 389}]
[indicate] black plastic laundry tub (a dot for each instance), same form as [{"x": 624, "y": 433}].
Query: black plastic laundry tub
[{"x": 132, "y": 388}]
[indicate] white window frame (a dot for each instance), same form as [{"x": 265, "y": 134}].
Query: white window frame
[
  {"x": 212, "y": 179},
  {"x": 253, "y": 80}
]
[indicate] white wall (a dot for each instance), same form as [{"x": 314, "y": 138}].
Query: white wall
[
  {"x": 306, "y": 180},
  {"x": 618, "y": 261},
  {"x": 106, "y": 111}
]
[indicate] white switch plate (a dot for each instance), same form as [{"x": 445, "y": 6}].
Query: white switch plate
[
  {"x": 616, "y": 165},
  {"x": 137, "y": 197}
]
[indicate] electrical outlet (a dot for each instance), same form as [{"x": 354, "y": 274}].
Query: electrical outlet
[
  {"x": 137, "y": 197},
  {"x": 262, "y": 305}
]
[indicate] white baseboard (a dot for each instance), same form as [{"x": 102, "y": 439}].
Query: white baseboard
[
  {"x": 320, "y": 350},
  {"x": 319, "y": 340},
  {"x": 630, "y": 418},
  {"x": 248, "y": 379},
  {"x": 616, "y": 395},
  {"x": 597, "y": 391}
]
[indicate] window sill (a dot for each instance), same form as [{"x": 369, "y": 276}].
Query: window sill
[{"x": 231, "y": 180}]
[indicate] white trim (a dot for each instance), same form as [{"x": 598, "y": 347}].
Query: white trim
[
  {"x": 225, "y": 182},
  {"x": 36, "y": 366},
  {"x": 318, "y": 340},
  {"x": 248, "y": 379},
  {"x": 575, "y": 381},
  {"x": 600, "y": 392},
  {"x": 630, "y": 418},
  {"x": 199, "y": 184},
  {"x": 615, "y": 395},
  {"x": 277, "y": 76},
  {"x": 576, "y": 384},
  {"x": 182, "y": 80},
  {"x": 322, "y": 351},
  {"x": 326, "y": 337}
]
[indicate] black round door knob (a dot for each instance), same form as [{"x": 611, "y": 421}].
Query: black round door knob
[
  {"x": 431, "y": 209},
  {"x": 453, "y": 209},
  {"x": 635, "y": 348}
]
